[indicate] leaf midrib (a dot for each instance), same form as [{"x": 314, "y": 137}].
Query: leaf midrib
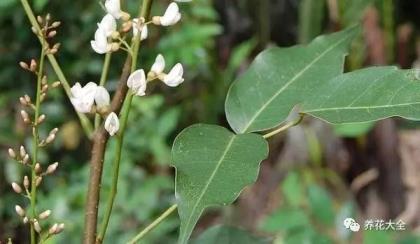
[
  {"x": 208, "y": 183},
  {"x": 361, "y": 107},
  {"x": 265, "y": 105}
]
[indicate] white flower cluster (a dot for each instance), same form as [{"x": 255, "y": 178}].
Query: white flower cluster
[
  {"x": 102, "y": 42},
  {"x": 137, "y": 81},
  {"x": 94, "y": 98}
]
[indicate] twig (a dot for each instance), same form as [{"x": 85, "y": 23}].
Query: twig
[{"x": 155, "y": 223}]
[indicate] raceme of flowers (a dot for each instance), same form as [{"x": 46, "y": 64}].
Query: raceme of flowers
[{"x": 92, "y": 98}]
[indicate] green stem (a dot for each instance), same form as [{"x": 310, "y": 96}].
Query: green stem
[
  {"x": 155, "y": 223},
  {"x": 144, "y": 13},
  {"x": 86, "y": 125},
  {"x": 35, "y": 135},
  {"x": 283, "y": 128},
  {"x": 102, "y": 81}
]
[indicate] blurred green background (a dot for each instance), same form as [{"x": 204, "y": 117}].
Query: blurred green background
[{"x": 316, "y": 175}]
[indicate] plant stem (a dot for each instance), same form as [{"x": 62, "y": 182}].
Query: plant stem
[
  {"x": 144, "y": 13},
  {"x": 102, "y": 81},
  {"x": 35, "y": 135},
  {"x": 155, "y": 223},
  {"x": 284, "y": 127},
  {"x": 86, "y": 125}
]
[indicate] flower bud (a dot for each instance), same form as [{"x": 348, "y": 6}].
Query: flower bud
[
  {"x": 53, "y": 229},
  {"x": 25, "y": 116},
  {"x": 27, "y": 98},
  {"x": 38, "y": 180},
  {"x": 48, "y": 17},
  {"x": 23, "y": 101},
  {"x": 52, "y": 33},
  {"x": 125, "y": 16},
  {"x": 12, "y": 153},
  {"x": 26, "y": 182},
  {"x": 56, "y": 84},
  {"x": 115, "y": 46},
  {"x": 19, "y": 210},
  {"x": 44, "y": 88},
  {"x": 39, "y": 19},
  {"x": 22, "y": 151},
  {"x": 33, "y": 65},
  {"x": 45, "y": 214},
  {"x": 16, "y": 187},
  {"x": 126, "y": 26},
  {"x": 43, "y": 96},
  {"x": 34, "y": 30},
  {"x": 55, "y": 24},
  {"x": 38, "y": 168},
  {"x": 24, "y": 65},
  {"x": 50, "y": 138},
  {"x": 60, "y": 228},
  {"x": 25, "y": 220},
  {"x": 51, "y": 168},
  {"x": 37, "y": 227},
  {"x": 25, "y": 159},
  {"x": 41, "y": 119}
]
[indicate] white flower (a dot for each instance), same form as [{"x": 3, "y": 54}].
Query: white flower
[
  {"x": 112, "y": 124},
  {"x": 100, "y": 44},
  {"x": 82, "y": 98},
  {"x": 102, "y": 98},
  {"x": 137, "y": 82},
  {"x": 108, "y": 25},
  {"x": 113, "y": 7},
  {"x": 142, "y": 29},
  {"x": 159, "y": 65},
  {"x": 174, "y": 77},
  {"x": 171, "y": 16}
]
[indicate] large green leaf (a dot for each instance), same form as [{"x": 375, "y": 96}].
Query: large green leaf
[
  {"x": 280, "y": 78},
  {"x": 367, "y": 95},
  {"x": 212, "y": 166},
  {"x": 228, "y": 235}
]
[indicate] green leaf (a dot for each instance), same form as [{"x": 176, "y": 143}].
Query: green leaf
[
  {"x": 292, "y": 189},
  {"x": 353, "y": 129},
  {"x": 280, "y": 78},
  {"x": 285, "y": 219},
  {"x": 212, "y": 165},
  {"x": 367, "y": 95},
  {"x": 228, "y": 235}
]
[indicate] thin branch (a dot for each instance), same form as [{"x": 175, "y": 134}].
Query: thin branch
[
  {"x": 284, "y": 127},
  {"x": 151, "y": 226}
]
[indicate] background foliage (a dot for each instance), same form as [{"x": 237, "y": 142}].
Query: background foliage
[{"x": 314, "y": 167}]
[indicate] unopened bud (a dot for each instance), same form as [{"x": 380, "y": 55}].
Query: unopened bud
[
  {"x": 43, "y": 96},
  {"x": 24, "y": 65},
  {"x": 38, "y": 168},
  {"x": 23, "y": 101},
  {"x": 44, "y": 88},
  {"x": 115, "y": 46},
  {"x": 48, "y": 17},
  {"x": 52, "y": 33},
  {"x": 25, "y": 220},
  {"x": 156, "y": 20},
  {"x": 41, "y": 118},
  {"x": 53, "y": 229},
  {"x": 26, "y": 182},
  {"x": 125, "y": 16},
  {"x": 51, "y": 168},
  {"x": 115, "y": 35},
  {"x": 45, "y": 214},
  {"x": 56, "y": 24},
  {"x": 52, "y": 51},
  {"x": 27, "y": 98},
  {"x": 16, "y": 187},
  {"x": 56, "y": 84},
  {"x": 39, "y": 19},
  {"x": 34, "y": 30},
  {"x": 37, "y": 227},
  {"x": 57, "y": 46},
  {"x": 25, "y": 159},
  {"x": 54, "y": 131},
  {"x": 25, "y": 116},
  {"x": 44, "y": 80},
  {"x": 38, "y": 180},
  {"x": 50, "y": 138},
  {"x": 60, "y": 228},
  {"x": 19, "y": 210},
  {"x": 12, "y": 153},
  {"x": 126, "y": 26},
  {"x": 33, "y": 65},
  {"x": 22, "y": 151}
]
